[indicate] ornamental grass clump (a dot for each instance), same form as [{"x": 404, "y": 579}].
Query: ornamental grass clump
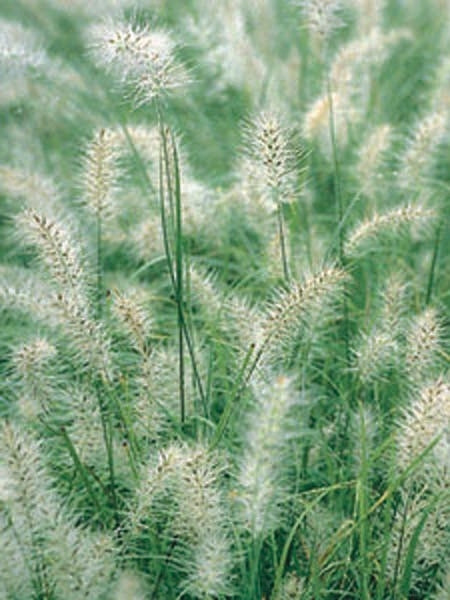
[{"x": 224, "y": 359}]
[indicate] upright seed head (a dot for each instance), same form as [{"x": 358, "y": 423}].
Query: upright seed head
[
  {"x": 139, "y": 57},
  {"x": 57, "y": 251},
  {"x": 101, "y": 173},
  {"x": 20, "y": 50},
  {"x": 426, "y": 420},
  {"x": 263, "y": 467},
  {"x": 379, "y": 350},
  {"x": 184, "y": 487},
  {"x": 420, "y": 151},
  {"x": 321, "y": 16},
  {"x": 134, "y": 319},
  {"x": 423, "y": 344},
  {"x": 371, "y": 159},
  {"x": 30, "y": 362},
  {"x": 272, "y": 155}
]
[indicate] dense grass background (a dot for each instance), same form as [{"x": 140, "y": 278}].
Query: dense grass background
[{"x": 237, "y": 430}]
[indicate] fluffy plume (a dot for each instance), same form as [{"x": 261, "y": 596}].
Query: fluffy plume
[
  {"x": 420, "y": 151},
  {"x": 262, "y": 491},
  {"x": 135, "y": 320},
  {"x": 141, "y": 58},
  {"x": 372, "y": 158},
  {"x": 30, "y": 362},
  {"x": 101, "y": 173},
  {"x": 272, "y": 157},
  {"x": 423, "y": 343},
  {"x": 379, "y": 350},
  {"x": 187, "y": 478},
  {"x": 303, "y": 303},
  {"x": 321, "y": 16},
  {"x": 20, "y": 50},
  {"x": 59, "y": 555},
  {"x": 424, "y": 421},
  {"x": 57, "y": 251},
  {"x": 370, "y": 232}
]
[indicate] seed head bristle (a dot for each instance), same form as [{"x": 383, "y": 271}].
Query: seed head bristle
[
  {"x": 142, "y": 58},
  {"x": 423, "y": 344},
  {"x": 424, "y": 421},
  {"x": 393, "y": 222},
  {"x": 101, "y": 173},
  {"x": 301, "y": 303},
  {"x": 270, "y": 145},
  {"x": 321, "y": 16},
  {"x": 57, "y": 251},
  {"x": 134, "y": 319},
  {"x": 420, "y": 152}
]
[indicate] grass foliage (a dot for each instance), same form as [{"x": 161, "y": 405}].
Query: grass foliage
[{"x": 224, "y": 294}]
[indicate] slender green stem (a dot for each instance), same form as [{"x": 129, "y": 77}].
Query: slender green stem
[
  {"x": 282, "y": 237},
  {"x": 175, "y": 273},
  {"x": 81, "y": 470},
  {"x": 362, "y": 508},
  {"x": 179, "y": 277},
  {"x": 234, "y": 396},
  {"x": 434, "y": 259}
]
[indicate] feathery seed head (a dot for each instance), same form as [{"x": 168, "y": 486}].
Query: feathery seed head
[
  {"x": 262, "y": 471},
  {"x": 292, "y": 588},
  {"x": 30, "y": 363},
  {"x": 322, "y": 16},
  {"x": 32, "y": 188},
  {"x": 134, "y": 319},
  {"x": 425, "y": 420},
  {"x": 183, "y": 486},
  {"x": 316, "y": 121},
  {"x": 56, "y": 249},
  {"x": 85, "y": 335},
  {"x": 423, "y": 345},
  {"x": 393, "y": 222},
  {"x": 22, "y": 465},
  {"x": 371, "y": 159},
  {"x": 375, "y": 354},
  {"x": 270, "y": 150},
  {"x": 139, "y": 57},
  {"x": 130, "y": 587},
  {"x": 20, "y": 50},
  {"x": 302, "y": 303},
  {"x": 209, "y": 575},
  {"x": 101, "y": 173},
  {"x": 431, "y": 551},
  {"x": 370, "y": 14},
  {"x": 420, "y": 151},
  {"x": 379, "y": 350},
  {"x": 29, "y": 358},
  {"x": 394, "y": 298}
]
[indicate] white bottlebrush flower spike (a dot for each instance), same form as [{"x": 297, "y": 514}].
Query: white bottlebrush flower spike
[
  {"x": 322, "y": 16},
  {"x": 140, "y": 57},
  {"x": 262, "y": 486},
  {"x": 20, "y": 50},
  {"x": 272, "y": 159}
]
